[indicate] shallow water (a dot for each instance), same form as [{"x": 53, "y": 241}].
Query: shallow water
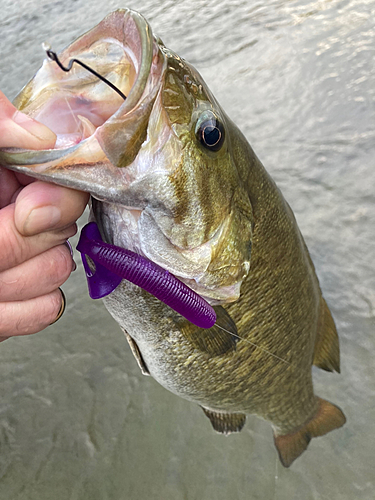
[{"x": 78, "y": 421}]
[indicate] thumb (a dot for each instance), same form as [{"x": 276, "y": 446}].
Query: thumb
[{"x": 18, "y": 130}]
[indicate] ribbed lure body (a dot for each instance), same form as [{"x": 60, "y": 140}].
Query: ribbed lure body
[{"x": 112, "y": 264}]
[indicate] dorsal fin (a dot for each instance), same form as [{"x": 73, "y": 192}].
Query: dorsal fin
[
  {"x": 327, "y": 351},
  {"x": 225, "y": 423}
]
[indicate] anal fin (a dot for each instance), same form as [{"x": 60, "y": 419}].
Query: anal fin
[
  {"x": 327, "y": 418},
  {"x": 327, "y": 350},
  {"x": 136, "y": 353},
  {"x": 226, "y": 423}
]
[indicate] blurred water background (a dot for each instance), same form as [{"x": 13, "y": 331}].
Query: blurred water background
[{"x": 78, "y": 421}]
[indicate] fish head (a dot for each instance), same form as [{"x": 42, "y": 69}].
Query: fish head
[{"x": 160, "y": 166}]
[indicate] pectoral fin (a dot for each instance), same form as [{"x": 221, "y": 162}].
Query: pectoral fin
[
  {"x": 137, "y": 353},
  {"x": 327, "y": 351},
  {"x": 327, "y": 418},
  {"x": 226, "y": 423},
  {"x": 217, "y": 340}
]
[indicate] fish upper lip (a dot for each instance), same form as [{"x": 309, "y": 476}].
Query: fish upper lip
[{"x": 131, "y": 32}]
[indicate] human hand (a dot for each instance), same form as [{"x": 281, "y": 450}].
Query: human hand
[{"x": 36, "y": 219}]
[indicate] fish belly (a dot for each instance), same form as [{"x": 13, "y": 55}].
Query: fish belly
[{"x": 247, "y": 379}]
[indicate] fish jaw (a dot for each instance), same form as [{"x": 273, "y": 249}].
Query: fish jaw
[{"x": 97, "y": 132}]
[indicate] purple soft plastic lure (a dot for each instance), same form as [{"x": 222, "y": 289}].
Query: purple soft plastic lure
[{"x": 112, "y": 264}]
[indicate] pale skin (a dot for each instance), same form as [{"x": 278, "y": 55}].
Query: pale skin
[{"x": 36, "y": 219}]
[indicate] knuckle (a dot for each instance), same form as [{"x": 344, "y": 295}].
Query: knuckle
[
  {"x": 44, "y": 314},
  {"x": 58, "y": 265},
  {"x": 36, "y": 277},
  {"x": 17, "y": 287},
  {"x": 52, "y": 307},
  {"x": 5, "y": 316},
  {"x": 14, "y": 319},
  {"x": 24, "y": 318},
  {"x": 13, "y": 251}
]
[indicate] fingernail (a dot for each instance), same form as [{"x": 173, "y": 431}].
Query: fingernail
[
  {"x": 35, "y": 128},
  {"x": 42, "y": 219},
  {"x": 70, "y": 248}
]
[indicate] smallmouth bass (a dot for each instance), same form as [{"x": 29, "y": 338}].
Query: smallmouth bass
[{"x": 173, "y": 179}]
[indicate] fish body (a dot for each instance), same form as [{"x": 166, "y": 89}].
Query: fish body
[{"x": 173, "y": 179}]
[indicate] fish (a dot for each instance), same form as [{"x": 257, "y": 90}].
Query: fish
[{"x": 174, "y": 180}]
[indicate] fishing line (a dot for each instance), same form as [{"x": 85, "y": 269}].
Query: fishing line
[
  {"x": 276, "y": 477},
  {"x": 258, "y": 346},
  {"x": 53, "y": 56},
  {"x": 79, "y": 124}
]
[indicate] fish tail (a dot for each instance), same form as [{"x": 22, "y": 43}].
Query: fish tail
[{"x": 327, "y": 418}]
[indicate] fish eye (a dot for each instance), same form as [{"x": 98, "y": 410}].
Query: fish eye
[{"x": 210, "y": 131}]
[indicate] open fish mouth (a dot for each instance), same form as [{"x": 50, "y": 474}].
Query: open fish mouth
[
  {"x": 79, "y": 103},
  {"x": 94, "y": 125}
]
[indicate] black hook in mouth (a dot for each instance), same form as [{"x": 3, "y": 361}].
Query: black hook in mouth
[{"x": 53, "y": 56}]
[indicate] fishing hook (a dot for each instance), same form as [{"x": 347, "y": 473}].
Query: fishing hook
[{"x": 53, "y": 56}]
